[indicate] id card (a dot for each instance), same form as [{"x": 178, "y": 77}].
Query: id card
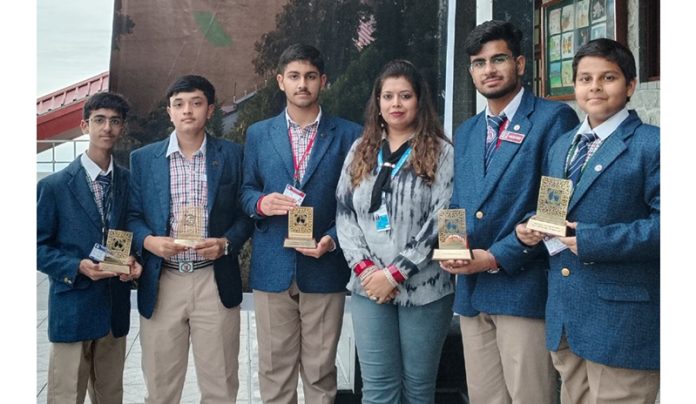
[
  {"x": 554, "y": 245},
  {"x": 294, "y": 193},
  {"x": 98, "y": 253},
  {"x": 382, "y": 219}
]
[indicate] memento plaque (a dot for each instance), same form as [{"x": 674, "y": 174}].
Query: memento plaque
[
  {"x": 190, "y": 226},
  {"x": 300, "y": 226},
  {"x": 118, "y": 246},
  {"x": 452, "y": 241},
  {"x": 552, "y": 206}
]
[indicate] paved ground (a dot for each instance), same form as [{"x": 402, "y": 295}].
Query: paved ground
[{"x": 134, "y": 385}]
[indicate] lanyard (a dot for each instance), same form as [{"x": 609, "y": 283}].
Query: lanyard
[
  {"x": 308, "y": 149},
  {"x": 397, "y": 166}
]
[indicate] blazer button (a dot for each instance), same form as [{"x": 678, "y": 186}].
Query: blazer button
[
  {"x": 565, "y": 272},
  {"x": 479, "y": 215}
]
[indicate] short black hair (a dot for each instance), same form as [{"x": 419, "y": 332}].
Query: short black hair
[
  {"x": 301, "y": 52},
  {"x": 610, "y": 50},
  {"x": 191, "y": 83},
  {"x": 107, "y": 100},
  {"x": 493, "y": 30}
]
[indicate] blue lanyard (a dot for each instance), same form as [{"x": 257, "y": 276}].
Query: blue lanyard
[{"x": 402, "y": 160}]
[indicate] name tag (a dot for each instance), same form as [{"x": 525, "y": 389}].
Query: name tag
[
  {"x": 554, "y": 245},
  {"x": 382, "y": 219},
  {"x": 294, "y": 193},
  {"x": 512, "y": 137},
  {"x": 98, "y": 253}
]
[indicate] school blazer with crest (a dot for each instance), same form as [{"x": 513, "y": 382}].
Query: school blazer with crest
[
  {"x": 68, "y": 224},
  {"x": 497, "y": 201},
  {"x": 148, "y": 214},
  {"x": 268, "y": 167},
  {"x": 609, "y": 304}
]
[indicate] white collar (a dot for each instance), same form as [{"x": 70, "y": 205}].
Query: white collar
[
  {"x": 607, "y": 127},
  {"x": 174, "y": 145},
  {"x": 512, "y": 106},
  {"x": 289, "y": 120},
  {"x": 93, "y": 170}
]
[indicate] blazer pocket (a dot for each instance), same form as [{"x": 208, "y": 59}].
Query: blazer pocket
[{"x": 623, "y": 293}]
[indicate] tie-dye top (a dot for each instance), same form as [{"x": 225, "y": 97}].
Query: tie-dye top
[{"x": 412, "y": 206}]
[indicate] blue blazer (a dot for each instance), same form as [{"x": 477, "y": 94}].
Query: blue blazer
[
  {"x": 268, "y": 167},
  {"x": 148, "y": 214},
  {"x": 496, "y": 202},
  {"x": 609, "y": 305},
  {"x": 68, "y": 224}
]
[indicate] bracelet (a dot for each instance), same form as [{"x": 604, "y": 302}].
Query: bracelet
[
  {"x": 363, "y": 265},
  {"x": 258, "y": 206},
  {"x": 390, "y": 278},
  {"x": 396, "y": 274}
]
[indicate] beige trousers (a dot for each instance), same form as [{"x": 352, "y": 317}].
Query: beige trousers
[
  {"x": 95, "y": 366},
  {"x": 587, "y": 382},
  {"x": 506, "y": 360},
  {"x": 298, "y": 331},
  {"x": 188, "y": 310}
]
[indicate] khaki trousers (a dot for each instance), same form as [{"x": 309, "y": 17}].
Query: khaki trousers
[
  {"x": 94, "y": 365},
  {"x": 587, "y": 382},
  {"x": 298, "y": 331},
  {"x": 188, "y": 308},
  {"x": 506, "y": 360}
]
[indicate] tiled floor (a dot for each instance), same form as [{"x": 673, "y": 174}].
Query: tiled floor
[{"x": 133, "y": 383}]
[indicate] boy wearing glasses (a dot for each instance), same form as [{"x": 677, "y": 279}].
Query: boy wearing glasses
[
  {"x": 603, "y": 310},
  {"x": 88, "y": 308},
  {"x": 501, "y": 293},
  {"x": 186, "y": 221}
]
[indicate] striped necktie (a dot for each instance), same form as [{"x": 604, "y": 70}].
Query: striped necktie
[
  {"x": 104, "y": 182},
  {"x": 575, "y": 166},
  {"x": 494, "y": 124}
]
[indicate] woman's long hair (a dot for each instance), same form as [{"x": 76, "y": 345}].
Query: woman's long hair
[{"x": 428, "y": 137}]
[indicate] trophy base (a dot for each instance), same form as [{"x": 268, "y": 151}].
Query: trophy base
[
  {"x": 115, "y": 267},
  {"x": 441, "y": 254},
  {"x": 555, "y": 229},
  {"x": 299, "y": 243},
  {"x": 186, "y": 242}
]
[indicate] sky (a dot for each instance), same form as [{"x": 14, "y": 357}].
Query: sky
[
  {"x": 69, "y": 41},
  {"x": 73, "y": 41}
]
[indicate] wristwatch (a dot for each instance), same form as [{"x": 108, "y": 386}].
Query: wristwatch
[{"x": 226, "y": 251}]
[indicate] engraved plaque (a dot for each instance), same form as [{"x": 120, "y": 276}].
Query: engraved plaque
[
  {"x": 118, "y": 246},
  {"x": 452, "y": 241},
  {"x": 552, "y": 206},
  {"x": 300, "y": 227},
  {"x": 190, "y": 226}
]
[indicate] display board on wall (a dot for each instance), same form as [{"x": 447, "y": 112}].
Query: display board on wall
[{"x": 566, "y": 26}]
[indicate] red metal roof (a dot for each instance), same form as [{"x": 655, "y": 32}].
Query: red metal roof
[{"x": 58, "y": 114}]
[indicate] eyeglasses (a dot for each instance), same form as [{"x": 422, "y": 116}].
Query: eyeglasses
[
  {"x": 101, "y": 121},
  {"x": 497, "y": 61}
]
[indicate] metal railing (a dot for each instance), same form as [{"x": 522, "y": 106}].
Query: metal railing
[{"x": 54, "y": 155}]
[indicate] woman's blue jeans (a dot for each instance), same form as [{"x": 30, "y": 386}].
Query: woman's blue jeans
[{"x": 399, "y": 349}]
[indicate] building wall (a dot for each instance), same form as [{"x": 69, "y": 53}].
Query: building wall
[{"x": 646, "y": 99}]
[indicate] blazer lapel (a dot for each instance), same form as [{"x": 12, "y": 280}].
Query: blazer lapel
[
  {"x": 80, "y": 189},
  {"x": 505, "y": 153},
  {"x": 322, "y": 141},
  {"x": 213, "y": 167},
  {"x": 473, "y": 157},
  {"x": 607, "y": 153},
  {"x": 159, "y": 167},
  {"x": 507, "y": 150},
  {"x": 118, "y": 189},
  {"x": 281, "y": 143}
]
